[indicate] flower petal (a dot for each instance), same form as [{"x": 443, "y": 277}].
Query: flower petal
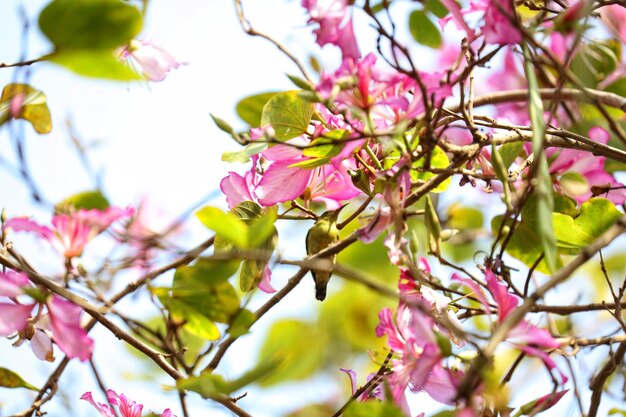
[
  {"x": 14, "y": 317},
  {"x": 66, "y": 328},
  {"x": 281, "y": 183}
]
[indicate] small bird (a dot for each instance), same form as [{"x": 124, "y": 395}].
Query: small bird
[{"x": 320, "y": 236}]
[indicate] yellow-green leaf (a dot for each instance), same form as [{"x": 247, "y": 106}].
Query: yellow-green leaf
[
  {"x": 9, "y": 379},
  {"x": 34, "y": 108}
]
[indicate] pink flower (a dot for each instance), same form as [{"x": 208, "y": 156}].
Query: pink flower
[
  {"x": 525, "y": 336},
  {"x": 71, "y": 232},
  {"x": 456, "y": 14},
  {"x": 614, "y": 17},
  {"x": 413, "y": 337},
  {"x": 125, "y": 406},
  {"x": 385, "y": 94},
  {"x": 589, "y": 166},
  {"x": 282, "y": 181},
  {"x": 62, "y": 319},
  {"x": 498, "y": 28},
  {"x": 335, "y": 25},
  {"x": 154, "y": 62},
  {"x": 13, "y": 315}
]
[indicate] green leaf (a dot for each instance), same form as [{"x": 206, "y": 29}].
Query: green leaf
[
  {"x": 541, "y": 404},
  {"x": 204, "y": 272},
  {"x": 445, "y": 413},
  {"x": 432, "y": 220},
  {"x": 225, "y": 225},
  {"x": 310, "y": 163},
  {"x": 262, "y": 228},
  {"x": 543, "y": 185},
  {"x": 222, "y": 124},
  {"x": 204, "y": 288},
  {"x": 595, "y": 61},
  {"x": 288, "y": 114},
  {"x": 325, "y": 146},
  {"x": 262, "y": 235},
  {"x": 298, "y": 346},
  {"x": 90, "y": 24},
  {"x": 596, "y": 216},
  {"x": 196, "y": 322},
  {"x": 373, "y": 409},
  {"x": 617, "y": 87},
  {"x": 510, "y": 151},
  {"x": 247, "y": 211},
  {"x": 95, "y": 64},
  {"x": 87, "y": 200},
  {"x": 423, "y": 30},
  {"x": 565, "y": 205},
  {"x": 499, "y": 166},
  {"x": 437, "y": 8},
  {"x": 525, "y": 244},
  {"x": 464, "y": 218},
  {"x": 301, "y": 83},
  {"x": 438, "y": 159},
  {"x": 250, "y": 108},
  {"x": 34, "y": 107},
  {"x": 9, "y": 379},
  {"x": 210, "y": 385},
  {"x": 244, "y": 154},
  {"x": 207, "y": 384},
  {"x": 241, "y": 323}
]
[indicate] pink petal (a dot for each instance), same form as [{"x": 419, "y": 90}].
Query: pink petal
[
  {"x": 153, "y": 60},
  {"x": 104, "y": 409},
  {"x": 66, "y": 328},
  {"x": 281, "y": 183},
  {"x": 499, "y": 291},
  {"x": 457, "y": 16},
  {"x": 475, "y": 288},
  {"x": 41, "y": 345},
  {"x": 265, "y": 284},
  {"x": 614, "y": 16},
  {"x": 24, "y": 224},
  {"x": 281, "y": 152},
  {"x": 379, "y": 223},
  {"x": 599, "y": 134},
  {"x": 352, "y": 375},
  {"x": 127, "y": 407},
  {"x": 13, "y": 317},
  {"x": 12, "y": 283},
  {"x": 440, "y": 386},
  {"x": 498, "y": 29},
  {"x": 530, "y": 334},
  {"x": 421, "y": 369},
  {"x": 236, "y": 189}
]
